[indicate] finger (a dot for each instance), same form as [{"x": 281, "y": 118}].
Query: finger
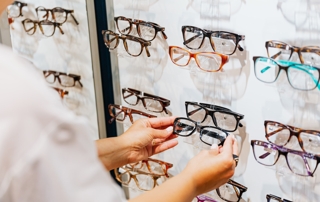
[
  {"x": 164, "y": 146},
  {"x": 235, "y": 147},
  {"x": 172, "y": 136},
  {"x": 214, "y": 149},
  {"x": 161, "y": 134},
  {"x": 228, "y": 146},
  {"x": 161, "y": 122}
]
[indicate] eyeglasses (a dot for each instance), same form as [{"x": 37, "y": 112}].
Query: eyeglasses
[
  {"x": 208, "y": 134},
  {"x": 203, "y": 198},
  {"x": 273, "y": 198},
  {"x": 206, "y": 61},
  {"x": 119, "y": 113},
  {"x": 152, "y": 166},
  {"x": 46, "y": 27},
  {"x": 15, "y": 9},
  {"x": 300, "y": 76},
  {"x": 221, "y": 41},
  {"x": 144, "y": 181},
  {"x": 65, "y": 80},
  {"x": 300, "y": 163},
  {"x": 150, "y": 102},
  {"x": 146, "y": 30},
  {"x": 280, "y": 134},
  {"x": 58, "y": 14},
  {"x": 222, "y": 117},
  {"x": 282, "y": 51},
  {"x": 61, "y": 92},
  {"x": 231, "y": 191},
  {"x": 133, "y": 45}
]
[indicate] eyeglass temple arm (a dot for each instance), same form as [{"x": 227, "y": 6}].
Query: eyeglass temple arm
[
  {"x": 147, "y": 51},
  {"x": 164, "y": 34},
  {"x": 74, "y": 18},
  {"x": 178, "y": 58},
  {"x": 274, "y": 132},
  {"x": 61, "y": 31},
  {"x": 125, "y": 29},
  {"x": 115, "y": 116}
]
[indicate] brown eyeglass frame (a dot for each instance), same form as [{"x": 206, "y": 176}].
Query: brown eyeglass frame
[
  {"x": 234, "y": 184},
  {"x": 137, "y": 22},
  {"x": 294, "y": 131},
  {"x": 142, "y": 95},
  {"x": 20, "y": 5},
  {"x": 56, "y": 9},
  {"x": 143, "y": 43},
  {"x": 127, "y": 112},
  {"x": 208, "y": 33},
  {"x": 224, "y": 58},
  {"x": 56, "y": 74},
  {"x": 61, "y": 92},
  {"x": 40, "y": 23},
  {"x": 285, "y": 46},
  {"x": 164, "y": 165},
  {"x": 133, "y": 176}
]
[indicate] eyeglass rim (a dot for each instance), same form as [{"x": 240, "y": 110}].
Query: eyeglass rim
[
  {"x": 224, "y": 58},
  {"x": 271, "y": 196},
  {"x": 75, "y": 77},
  {"x": 241, "y": 187}
]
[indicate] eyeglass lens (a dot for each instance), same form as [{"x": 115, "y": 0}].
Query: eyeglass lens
[
  {"x": 148, "y": 102},
  {"x": 303, "y": 77},
  {"x": 224, "y": 42},
  {"x": 143, "y": 181},
  {"x": 229, "y": 192},
  {"x": 268, "y": 156}
]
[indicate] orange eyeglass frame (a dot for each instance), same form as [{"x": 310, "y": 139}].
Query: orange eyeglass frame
[{"x": 224, "y": 58}]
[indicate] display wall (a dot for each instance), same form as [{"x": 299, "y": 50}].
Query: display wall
[
  {"x": 68, "y": 50},
  {"x": 236, "y": 87}
]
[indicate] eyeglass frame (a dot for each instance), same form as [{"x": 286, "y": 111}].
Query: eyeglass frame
[
  {"x": 285, "y": 68},
  {"x": 164, "y": 165},
  {"x": 39, "y": 23},
  {"x": 142, "y": 95},
  {"x": 234, "y": 184},
  {"x": 284, "y": 151},
  {"x": 61, "y": 92},
  {"x": 154, "y": 176},
  {"x": 208, "y": 33},
  {"x": 224, "y": 58},
  {"x": 204, "y": 198},
  {"x": 20, "y": 5},
  {"x": 67, "y": 11},
  {"x": 124, "y": 37},
  {"x": 200, "y": 130},
  {"x": 137, "y": 22},
  {"x": 56, "y": 74},
  {"x": 127, "y": 112},
  {"x": 294, "y": 131},
  {"x": 271, "y": 196},
  {"x": 210, "y": 109}
]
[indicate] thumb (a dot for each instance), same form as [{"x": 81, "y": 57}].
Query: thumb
[
  {"x": 230, "y": 146},
  {"x": 214, "y": 149}
]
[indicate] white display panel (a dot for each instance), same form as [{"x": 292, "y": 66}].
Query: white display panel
[
  {"x": 69, "y": 52},
  {"x": 293, "y": 21}
]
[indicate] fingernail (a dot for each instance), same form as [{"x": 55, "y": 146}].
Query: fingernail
[
  {"x": 233, "y": 137},
  {"x": 170, "y": 129},
  {"x": 214, "y": 146}
]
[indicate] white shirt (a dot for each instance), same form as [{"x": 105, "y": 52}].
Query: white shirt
[{"x": 46, "y": 154}]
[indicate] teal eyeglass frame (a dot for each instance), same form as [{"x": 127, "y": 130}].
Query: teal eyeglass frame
[{"x": 285, "y": 65}]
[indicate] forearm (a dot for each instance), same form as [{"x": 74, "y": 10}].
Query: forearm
[
  {"x": 176, "y": 189},
  {"x": 112, "y": 152}
]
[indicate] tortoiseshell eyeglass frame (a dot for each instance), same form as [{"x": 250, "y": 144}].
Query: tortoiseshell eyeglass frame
[
  {"x": 127, "y": 112},
  {"x": 179, "y": 127},
  {"x": 210, "y": 110},
  {"x": 284, "y": 151},
  {"x": 285, "y": 46},
  {"x": 137, "y": 22},
  {"x": 273, "y": 197},
  {"x": 56, "y": 10},
  {"x": 142, "y": 42},
  {"x": 142, "y": 96},
  {"x": 208, "y": 33},
  {"x": 133, "y": 176},
  {"x": 61, "y": 92},
  {"x": 20, "y": 5},
  {"x": 164, "y": 165},
  {"x": 40, "y": 23},
  {"x": 224, "y": 58},
  {"x": 56, "y": 74},
  {"x": 294, "y": 131},
  {"x": 236, "y": 186}
]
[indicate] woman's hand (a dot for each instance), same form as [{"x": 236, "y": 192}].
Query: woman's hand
[{"x": 143, "y": 139}]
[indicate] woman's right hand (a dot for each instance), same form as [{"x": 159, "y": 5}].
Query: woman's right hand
[{"x": 212, "y": 168}]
